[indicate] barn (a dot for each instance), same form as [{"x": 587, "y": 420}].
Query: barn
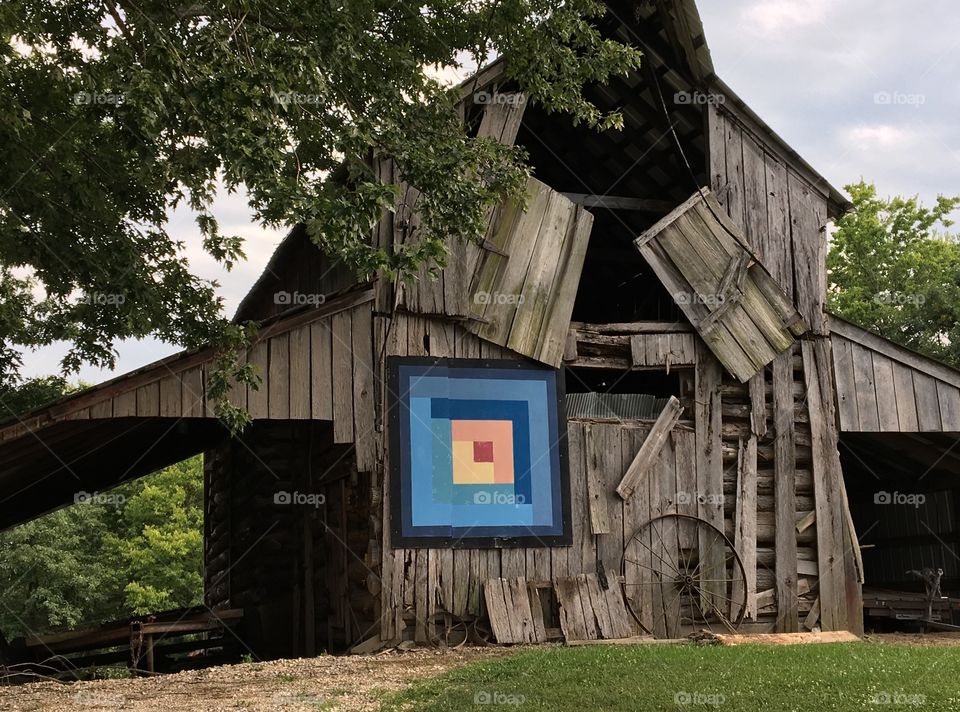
[{"x": 625, "y": 412}]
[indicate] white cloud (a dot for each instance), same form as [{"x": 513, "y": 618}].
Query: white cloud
[
  {"x": 869, "y": 137},
  {"x": 771, "y": 16}
]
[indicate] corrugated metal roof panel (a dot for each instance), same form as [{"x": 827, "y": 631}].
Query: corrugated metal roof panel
[{"x": 620, "y": 406}]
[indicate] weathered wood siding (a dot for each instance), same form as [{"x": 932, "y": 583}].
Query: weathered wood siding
[
  {"x": 882, "y": 387},
  {"x": 722, "y": 288},
  {"x": 782, "y": 216}
]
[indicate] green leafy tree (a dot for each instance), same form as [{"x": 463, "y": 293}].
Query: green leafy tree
[
  {"x": 159, "y": 544},
  {"x": 137, "y": 550},
  {"x": 114, "y": 112},
  {"x": 53, "y": 572},
  {"x": 894, "y": 271}
]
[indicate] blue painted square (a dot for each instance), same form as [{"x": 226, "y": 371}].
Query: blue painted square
[{"x": 429, "y": 505}]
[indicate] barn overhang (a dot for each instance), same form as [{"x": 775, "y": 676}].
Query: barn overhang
[{"x": 158, "y": 415}]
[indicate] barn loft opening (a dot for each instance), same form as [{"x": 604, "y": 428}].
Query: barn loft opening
[{"x": 628, "y": 179}]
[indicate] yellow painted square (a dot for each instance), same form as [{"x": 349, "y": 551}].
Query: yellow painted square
[{"x": 465, "y": 470}]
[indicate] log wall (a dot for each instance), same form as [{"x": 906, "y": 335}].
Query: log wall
[{"x": 783, "y": 216}]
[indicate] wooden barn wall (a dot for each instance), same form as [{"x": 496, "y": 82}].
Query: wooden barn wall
[
  {"x": 782, "y": 215},
  {"x": 298, "y": 267},
  {"x": 715, "y": 451},
  {"x": 292, "y": 566},
  {"x": 878, "y": 393}
]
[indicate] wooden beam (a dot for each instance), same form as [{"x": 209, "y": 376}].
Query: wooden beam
[
  {"x": 647, "y": 455},
  {"x": 619, "y": 202}
]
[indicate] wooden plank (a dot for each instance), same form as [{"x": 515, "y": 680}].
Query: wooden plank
[
  {"x": 708, "y": 428},
  {"x": 906, "y": 399},
  {"x": 758, "y": 404},
  {"x": 192, "y": 392},
  {"x": 170, "y": 400},
  {"x": 497, "y": 610},
  {"x": 104, "y": 409},
  {"x": 827, "y": 503},
  {"x": 636, "y": 512},
  {"x": 745, "y": 538},
  {"x": 807, "y": 218},
  {"x": 889, "y": 420},
  {"x": 540, "y": 275},
  {"x": 618, "y": 202},
  {"x": 363, "y": 395},
  {"x": 521, "y": 612},
  {"x": 300, "y": 373},
  {"x": 125, "y": 404},
  {"x": 321, "y": 370},
  {"x": 257, "y": 397},
  {"x": 589, "y": 615},
  {"x": 148, "y": 400},
  {"x": 536, "y": 612},
  {"x": 735, "y": 204},
  {"x": 813, "y": 616},
  {"x": 846, "y": 385},
  {"x": 647, "y": 456},
  {"x": 928, "y": 403},
  {"x": 598, "y": 604},
  {"x": 596, "y": 484},
  {"x": 866, "y": 390},
  {"x": 571, "y": 611},
  {"x": 563, "y": 291},
  {"x": 778, "y": 251},
  {"x": 341, "y": 344},
  {"x": 279, "y": 375},
  {"x": 948, "y": 398},
  {"x": 716, "y": 148},
  {"x": 785, "y": 468},
  {"x": 756, "y": 227}
]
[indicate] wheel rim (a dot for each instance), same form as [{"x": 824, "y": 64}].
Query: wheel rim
[{"x": 681, "y": 572}]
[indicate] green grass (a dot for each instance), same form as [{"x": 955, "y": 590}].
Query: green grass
[{"x": 748, "y": 678}]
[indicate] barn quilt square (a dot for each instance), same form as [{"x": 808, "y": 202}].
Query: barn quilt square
[{"x": 477, "y": 454}]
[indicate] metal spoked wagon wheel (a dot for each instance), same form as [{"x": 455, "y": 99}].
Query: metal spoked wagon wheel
[{"x": 680, "y": 574}]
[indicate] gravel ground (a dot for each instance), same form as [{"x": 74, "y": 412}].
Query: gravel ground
[{"x": 329, "y": 683}]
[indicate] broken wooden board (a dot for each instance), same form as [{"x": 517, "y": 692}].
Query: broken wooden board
[
  {"x": 515, "y": 616},
  {"x": 706, "y": 262},
  {"x": 524, "y": 286},
  {"x": 835, "y": 636},
  {"x": 650, "y": 450},
  {"x": 590, "y": 612}
]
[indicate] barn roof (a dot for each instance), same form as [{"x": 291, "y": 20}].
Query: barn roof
[{"x": 158, "y": 415}]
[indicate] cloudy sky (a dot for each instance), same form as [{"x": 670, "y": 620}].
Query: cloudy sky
[{"x": 865, "y": 88}]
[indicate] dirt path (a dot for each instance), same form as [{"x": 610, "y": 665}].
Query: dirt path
[{"x": 326, "y": 683}]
